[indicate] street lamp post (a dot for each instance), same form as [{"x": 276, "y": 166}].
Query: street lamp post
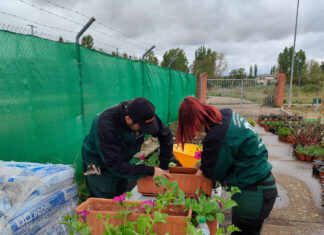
[{"x": 293, "y": 59}]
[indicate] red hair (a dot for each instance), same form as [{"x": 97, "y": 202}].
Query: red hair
[{"x": 195, "y": 116}]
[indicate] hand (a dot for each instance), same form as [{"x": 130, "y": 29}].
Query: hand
[
  {"x": 158, "y": 172},
  {"x": 199, "y": 172}
]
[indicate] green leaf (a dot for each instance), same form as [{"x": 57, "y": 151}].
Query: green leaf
[
  {"x": 143, "y": 222},
  {"x": 229, "y": 204},
  {"x": 210, "y": 217},
  {"x": 65, "y": 223},
  {"x": 160, "y": 217},
  {"x": 220, "y": 217},
  {"x": 66, "y": 217}
]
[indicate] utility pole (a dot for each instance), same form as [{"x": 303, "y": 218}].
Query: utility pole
[
  {"x": 293, "y": 59},
  {"x": 31, "y": 28}
]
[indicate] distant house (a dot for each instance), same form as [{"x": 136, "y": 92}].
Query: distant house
[{"x": 266, "y": 79}]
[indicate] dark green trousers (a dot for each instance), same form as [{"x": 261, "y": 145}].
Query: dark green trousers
[
  {"x": 254, "y": 205},
  {"x": 106, "y": 185}
]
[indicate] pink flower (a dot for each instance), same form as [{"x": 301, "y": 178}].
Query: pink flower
[
  {"x": 198, "y": 155},
  {"x": 142, "y": 157},
  {"x": 84, "y": 214},
  {"x": 120, "y": 199},
  {"x": 148, "y": 203},
  {"x": 219, "y": 203}
]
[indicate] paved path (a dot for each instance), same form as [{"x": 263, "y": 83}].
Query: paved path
[{"x": 298, "y": 209}]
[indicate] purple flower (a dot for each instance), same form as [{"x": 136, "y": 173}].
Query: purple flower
[
  {"x": 164, "y": 191},
  {"x": 84, "y": 214},
  {"x": 198, "y": 155},
  {"x": 148, "y": 203},
  {"x": 196, "y": 197},
  {"x": 219, "y": 203},
  {"x": 142, "y": 157},
  {"x": 120, "y": 199}
]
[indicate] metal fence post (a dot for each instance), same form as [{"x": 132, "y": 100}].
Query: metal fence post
[
  {"x": 241, "y": 91},
  {"x": 201, "y": 84},
  {"x": 78, "y": 57}
]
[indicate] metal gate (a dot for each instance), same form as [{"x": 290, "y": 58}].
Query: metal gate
[{"x": 241, "y": 91}]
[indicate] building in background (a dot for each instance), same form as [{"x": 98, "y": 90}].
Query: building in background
[{"x": 266, "y": 79}]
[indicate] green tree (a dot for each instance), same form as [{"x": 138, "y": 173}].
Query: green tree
[
  {"x": 238, "y": 73},
  {"x": 211, "y": 62},
  {"x": 177, "y": 59},
  {"x": 151, "y": 58},
  {"x": 273, "y": 70},
  {"x": 87, "y": 41},
  {"x": 124, "y": 55},
  {"x": 255, "y": 71},
  {"x": 60, "y": 39},
  {"x": 251, "y": 72},
  {"x": 322, "y": 66},
  {"x": 284, "y": 63},
  {"x": 314, "y": 72},
  {"x": 221, "y": 64}
]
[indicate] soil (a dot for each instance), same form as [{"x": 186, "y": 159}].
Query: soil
[
  {"x": 183, "y": 170},
  {"x": 114, "y": 207}
]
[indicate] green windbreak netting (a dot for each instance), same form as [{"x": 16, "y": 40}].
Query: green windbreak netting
[
  {"x": 39, "y": 100},
  {"x": 181, "y": 85},
  {"x": 108, "y": 80},
  {"x": 48, "y": 99},
  {"x": 156, "y": 89}
]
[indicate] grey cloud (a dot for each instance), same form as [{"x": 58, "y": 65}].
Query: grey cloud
[{"x": 247, "y": 32}]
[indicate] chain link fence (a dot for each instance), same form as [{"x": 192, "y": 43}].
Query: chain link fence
[{"x": 241, "y": 91}]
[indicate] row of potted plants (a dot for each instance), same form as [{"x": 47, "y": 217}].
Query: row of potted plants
[
  {"x": 309, "y": 153},
  {"x": 280, "y": 117},
  {"x": 307, "y": 138},
  {"x": 170, "y": 213}
]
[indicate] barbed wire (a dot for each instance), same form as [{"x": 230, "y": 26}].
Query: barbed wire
[
  {"x": 49, "y": 12},
  {"x": 34, "y": 22},
  {"x": 26, "y": 31},
  {"x": 74, "y": 22},
  {"x": 98, "y": 22}
]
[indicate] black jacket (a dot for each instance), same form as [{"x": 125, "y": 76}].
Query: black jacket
[{"x": 111, "y": 144}]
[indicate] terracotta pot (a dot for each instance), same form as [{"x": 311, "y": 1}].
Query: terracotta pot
[
  {"x": 289, "y": 139},
  {"x": 267, "y": 128},
  {"x": 212, "y": 225},
  {"x": 262, "y": 124},
  {"x": 309, "y": 158},
  {"x": 187, "y": 180},
  {"x": 321, "y": 173},
  {"x": 297, "y": 154},
  {"x": 302, "y": 157},
  {"x": 175, "y": 221},
  {"x": 283, "y": 139}
]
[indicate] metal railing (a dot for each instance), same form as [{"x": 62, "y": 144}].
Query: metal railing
[{"x": 242, "y": 91}]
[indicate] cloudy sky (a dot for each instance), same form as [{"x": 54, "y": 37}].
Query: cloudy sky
[{"x": 248, "y": 32}]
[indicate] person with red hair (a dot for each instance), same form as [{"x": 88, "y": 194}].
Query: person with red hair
[{"x": 233, "y": 154}]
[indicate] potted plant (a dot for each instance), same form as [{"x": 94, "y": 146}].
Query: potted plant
[
  {"x": 186, "y": 178},
  {"x": 283, "y": 133},
  {"x": 212, "y": 209},
  {"x": 123, "y": 216},
  {"x": 300, "y": 152},
  {"x": 267, "y": 126}
]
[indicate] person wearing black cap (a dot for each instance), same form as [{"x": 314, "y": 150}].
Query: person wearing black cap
[{"x": 115, "y": 136}]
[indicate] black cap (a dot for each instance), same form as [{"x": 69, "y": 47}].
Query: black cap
[{"x": 142, "y": 111}]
